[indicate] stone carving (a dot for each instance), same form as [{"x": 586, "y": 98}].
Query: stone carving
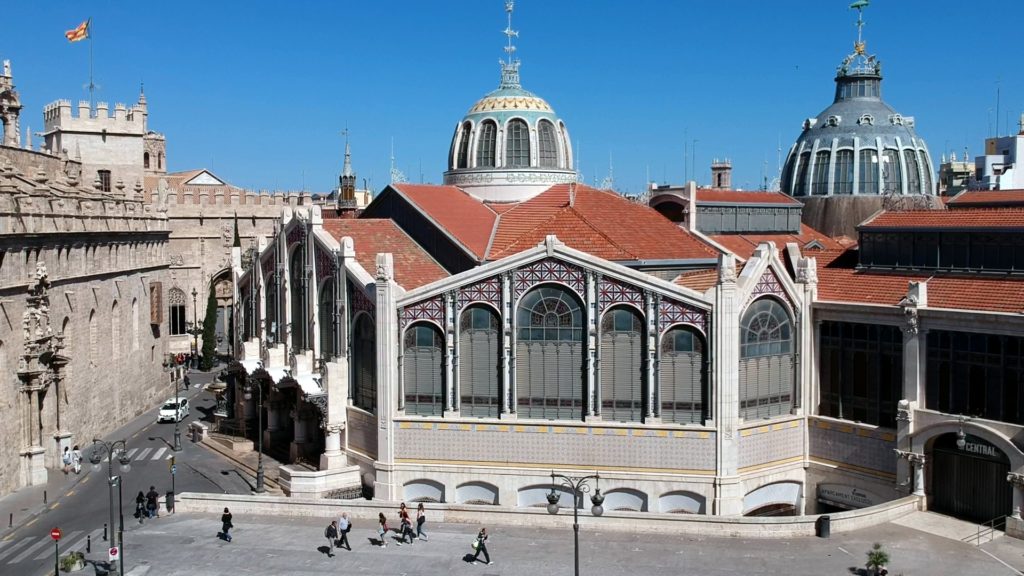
[
  {"x": 807, "y": 270},
  {"x": 319, "y": 401},
  {"x": 903, "y": 412},
  {"x": 727, "y": 268},
  {"x": 1016, "y": 478},
  {"x": 912, "y": 324},
  {"x": 177, "y": 260},
  {"x": 227, "y": 233}
]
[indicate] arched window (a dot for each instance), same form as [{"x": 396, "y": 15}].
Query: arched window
[
  {"x": 766, "y": 360},
  {"x": 486, "y": 144},
  {"x": 270, "y": 304},
  {"x": 325, "y": 319},
  {"x": 622, "y": 365},
  {"x": 517, "y": 144},
  {"x": 135, "y": 324},
  {"x": 819, "y": 187},
  {"x": 246, "y": 317},
  {"x": 926, "y": 168},
  {"x": 364, "y": 364},
  {"x": 868, "y": 172},
  {"x": 547, "y": 146},
  {"x": 892, "y": 175},
  {"x": 479, "y": 363},
  {"x": 913, "y": 173},
  {"x": 160, "y": 161},
  {"x": 462, "y": 158},
  {"x": 145, "y": 160},
  {"x": 297, "y": 294},
  {"x": 801, "y": 174},
  {"x": 115, "y": 332},
  {"x": 843, "y": 183},
  {"x": 423, "y": 370},
  {"x": 93, "y": 337},
  {"x": 683, "y": 377},
  {"x": 549, "y": 355}
]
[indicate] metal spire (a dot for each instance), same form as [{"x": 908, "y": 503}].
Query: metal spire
[
  {"x": 510, "y": 67},
  {"x": 347, "y": 169},
  {"x": 859, "y": 6}
]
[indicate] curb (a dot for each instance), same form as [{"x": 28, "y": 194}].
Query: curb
[
  {"x": 41, "y": 509},
  {"x": 211, "y": 446}
]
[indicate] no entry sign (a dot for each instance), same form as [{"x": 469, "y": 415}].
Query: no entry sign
[
  {"x": 56, "y": 533},
  {"x": 114, "y": 553}
]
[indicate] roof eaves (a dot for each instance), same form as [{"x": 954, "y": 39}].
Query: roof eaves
[{"x": 445, "y": 231}]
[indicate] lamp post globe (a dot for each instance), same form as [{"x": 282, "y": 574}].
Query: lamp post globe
[
  {"x": 578, "y": 486},
  {"x": 118, "y": 450}
]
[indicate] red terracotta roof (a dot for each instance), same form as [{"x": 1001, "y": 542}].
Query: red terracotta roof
[
  {"x": 699, "y": 280},
  {"x": 978, "y": 198},
  {"x": 464, "y": 217},
  {"x": 743, "y": 197},
  {"x": 838, "y": 281},
  {"x": 979, "y": 218},
  {"x": 743, "y": 245},
  {"x": 414, "y": 267}
]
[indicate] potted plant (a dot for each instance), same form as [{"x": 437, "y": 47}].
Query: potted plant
[
  {"x": 877, "y": 559},
  {"x": 72, "y": 562}
]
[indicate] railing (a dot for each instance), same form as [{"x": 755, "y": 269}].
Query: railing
[{"x": 988, "y": 529}]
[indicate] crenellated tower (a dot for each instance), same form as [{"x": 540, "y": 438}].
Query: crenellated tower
[{"x": 10, "y": 108}]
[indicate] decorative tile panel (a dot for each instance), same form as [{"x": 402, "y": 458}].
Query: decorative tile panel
[
  {"x": 770, "y": 444},
  {"x": 611, "y": 292},
  {"x": 488, "y": 291},
  {"x": 325, "y": 264},
  {"x": 672, "y": 311},
  {"x": 853, "y": 445},
  {"x": 432, "y": 309},
  {"x": 769, "y": 284},
  {"x": 361, "y": 302},
  {"x": 549, "y": 270}
]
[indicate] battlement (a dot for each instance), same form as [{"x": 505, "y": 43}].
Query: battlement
[
  {"x": 201, "y": 197},
  {"x": 84, "y": 118}
]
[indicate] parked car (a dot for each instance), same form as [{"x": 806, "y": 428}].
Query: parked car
[{"x": 173, "y": 410}]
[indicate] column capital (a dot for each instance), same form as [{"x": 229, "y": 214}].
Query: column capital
[
  {"x": 1016, "y": 478},
  {"x": 915, "y": 458}
]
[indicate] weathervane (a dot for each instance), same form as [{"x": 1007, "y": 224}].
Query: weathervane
[
  {"x": 510, "y": 68},
  {"x": 859, "y": 6},
  {"x": 859, "y": 62}
]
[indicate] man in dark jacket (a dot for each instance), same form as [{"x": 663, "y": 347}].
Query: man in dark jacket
[
  {"x": 226, "y": 525},
  {"x": 331, "y": 533},
  {"x": 151, "y": 502}
]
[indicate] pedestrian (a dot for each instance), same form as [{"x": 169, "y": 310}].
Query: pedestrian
[
  {"x": 382, "y": 529},
  {"x": 421, "y": 519},
  {"x": 344, "y": 525},
  {"x": 66, "y": 459},
  {"x": 187, "y": 382},
  {"x": 480, "y": 544},
  {"x": 76, "y": 459},
  {"x": 140, "y": 506},
  {"x": 405, "y": 525},
  {"x": 331, "y": 533},
  {"x": 226, "y": 525},
  {"x": 151, "y": 502}
]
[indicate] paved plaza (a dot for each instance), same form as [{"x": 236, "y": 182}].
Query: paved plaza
[{"x": 188, "y": 544}]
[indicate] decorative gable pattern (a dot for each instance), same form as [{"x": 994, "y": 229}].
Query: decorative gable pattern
[
  {"x": 769, "y": 284},
  {"x": 432, "y": 310},
  {"x": 549, "y": 270},
  {"x": 611, "y": 292},
  {"x": 488, "y": 291},
  {"x": 673, "y": 312}
]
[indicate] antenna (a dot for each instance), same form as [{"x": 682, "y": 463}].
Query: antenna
[
  {"x": 510, "y": 5},
  {"x": 396, "y": 175}
]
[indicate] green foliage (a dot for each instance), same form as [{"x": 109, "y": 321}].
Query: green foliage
[
  {"x": 209, "y": 332},
  {"x": 877, "y": 557},
  {"x": 69, "y": 561}
]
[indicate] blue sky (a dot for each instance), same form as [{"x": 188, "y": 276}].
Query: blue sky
[{"x": 260, "y": 91}]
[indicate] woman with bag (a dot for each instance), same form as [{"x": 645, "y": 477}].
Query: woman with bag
[
  {"x": 76, "y": 460},
  {"x": 66, "y": 460},
  {"x": 421, "y": 519},
  {"x": 382, "y": 529},
  {"x": 480, "y": 545},
  {"x": 405, "y": 525},
  {"x": 140, "y": 507},
  {"x": 226, "y": 525}
]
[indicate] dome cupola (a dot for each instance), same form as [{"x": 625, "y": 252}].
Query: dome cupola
[{"x": 511, "y": 145}]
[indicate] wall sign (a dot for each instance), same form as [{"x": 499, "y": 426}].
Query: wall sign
[{"x": 846, "y": 496}]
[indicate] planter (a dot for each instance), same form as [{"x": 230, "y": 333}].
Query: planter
[{"x": 72, "y": 562}]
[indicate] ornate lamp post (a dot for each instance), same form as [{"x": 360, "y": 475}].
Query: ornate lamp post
[
  {"x": 169, "y": 367},
  {"x": 195, "y": 328},
  {"x": 259, "y": 432},
  {"x": 579, "y": 486},
  {"x": 100, "y": 449}
]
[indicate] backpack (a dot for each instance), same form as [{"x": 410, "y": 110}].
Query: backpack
[{"x": 327, "y": 531}]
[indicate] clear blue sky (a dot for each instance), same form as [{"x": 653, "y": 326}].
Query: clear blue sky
[{"x": 260, "y": 91}]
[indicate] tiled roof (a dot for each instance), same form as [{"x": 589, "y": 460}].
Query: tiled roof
[
  {"x": 372, "y": 236},
  {"x": 808, "y": 239},
  {"x": 743, "y": 197},
  {"x": 699, "y": 280},
  {"x": 978, "y": 198},
  {"x": 838, "y": 281},
  {"x": 920, "y": 219},
  {"x": 467, "y": 219}
]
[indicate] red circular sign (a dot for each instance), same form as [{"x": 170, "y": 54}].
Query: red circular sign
[{"x": 56, "y": 533}]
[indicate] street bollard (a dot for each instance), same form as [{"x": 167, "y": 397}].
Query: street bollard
[
  {"x": 10, "y": 521},
  {"x": 44, "y": 496},
  {"x": 88, "y": 544},
  {"x": 104, "y": 532}
]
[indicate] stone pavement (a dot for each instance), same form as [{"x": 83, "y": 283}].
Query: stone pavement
[{"x": 187, "y": 544}]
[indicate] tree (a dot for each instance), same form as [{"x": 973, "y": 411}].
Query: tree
[
  {"x": 877, "y": 558},
  {"x": 209, "y": 332}
]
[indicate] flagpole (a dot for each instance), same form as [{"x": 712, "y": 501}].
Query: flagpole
[{"x": 92, "y": 87}]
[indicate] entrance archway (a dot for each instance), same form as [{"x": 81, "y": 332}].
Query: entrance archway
[
  {"x": 224, "y": 290},
  {"x": 969, "y": 482}
]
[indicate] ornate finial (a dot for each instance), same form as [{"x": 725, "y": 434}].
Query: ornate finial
[
  {"x": 510, "y": 67},
  {"x": 859, "y": 6},
  {"x": 347, "y": 170}
]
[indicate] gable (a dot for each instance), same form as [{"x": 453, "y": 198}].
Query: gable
[{"x": 204, "y": 178}]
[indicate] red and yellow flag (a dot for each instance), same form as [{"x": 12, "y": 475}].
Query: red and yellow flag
[{"x": 81, "y": 32}]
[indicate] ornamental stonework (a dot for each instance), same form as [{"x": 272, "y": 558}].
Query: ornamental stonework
[
  {"x": 674, "y": 312},
  {"x": 510, "y": 103},
  {"x": 548, "y": 270},
  {"x": 488, "y": 291},
  {"x": 432, "y": 310},
  {"x": 611, "y": 292},
  {"x": 769, "y": 284}
]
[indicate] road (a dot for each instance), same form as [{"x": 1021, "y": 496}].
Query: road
[{"x": 82, "y": 511}]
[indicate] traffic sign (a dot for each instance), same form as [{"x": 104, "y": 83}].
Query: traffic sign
[
  {"x": 113, "y": 553},
  {"x": 56, "y": 533}
]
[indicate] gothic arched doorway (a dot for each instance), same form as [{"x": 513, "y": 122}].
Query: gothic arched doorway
[
  {"x": 224, "y": 290},
  {"x": 969, "y": 481}
]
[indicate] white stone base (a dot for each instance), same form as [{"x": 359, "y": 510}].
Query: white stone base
[
  {"x": 297, "y": 481},
  {"x": 33, "y": 465}
]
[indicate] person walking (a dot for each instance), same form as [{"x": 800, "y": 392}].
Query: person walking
[
  {"x": 226, "y": 525},
  {"x": 331, "y": 533},
  {"x": 66, "y": 460},
  {"x": 481, "y": 546},
  {"x": 76, "y": 460},
  {"x": 344, "y": 525},
  {"x": 405, "y": 525},
  {"x": 151, "y": 502},
  {"x": 382, "y": 529},
  {"x": 421, "y": 519},
  {"x": 140, "y": 507}
]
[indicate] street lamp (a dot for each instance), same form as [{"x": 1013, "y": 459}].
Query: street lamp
[
  {"x": 170, "y": 367},
  {"x": 195, "y": 328},
  {"x": 110, "y": 450},
  {"x": 579, "y": 486},
  {"x": 259, "y": 432}
]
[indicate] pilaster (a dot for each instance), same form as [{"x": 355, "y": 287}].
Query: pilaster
[
  {"x": 725, "y": 358},
  {"x": 387, "y": 376}
]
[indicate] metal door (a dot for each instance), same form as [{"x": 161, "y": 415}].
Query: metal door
[{"x": 970, "y": 482}]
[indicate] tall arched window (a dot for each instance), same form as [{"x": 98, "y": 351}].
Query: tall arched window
[
  {"x": 325, "y": 319},
  {"x": 297, "y": 294},
  {"x": 622, "y": 365},
  {"x": 423, "y": 370},
  {"x": 160, "y": 161},
  {"x": 145, "y": 160},
  {"x": 486, "y": 144},
  {"x": 819, "y": 187},
  {"x": 913, "y": 174},
  {"x": 93, "y": 337},
  {"x": 115, "y": 332},
  {"x": 843, "y": 183},
  {"x": 683, "y": 378},
  {"x": 479, "y": 363},
  {"x": 892, "y": 175},
  {"x": 868, "y": 172},
  {"x": 246, "y": 317},
  {"x": 802, "y": 170},
  {"x": 135, "y": 324},
  {"x": 547, "y": 146},
  {"x": 517, "y": 144},
  {"x": 549, "y": 355},
  {"x": 270, "y": 328},
  {"x": 462, "y": 158},
  {"x": 927, "y": 170},
  {"x": 766, "y": 360},
  {"x": 364, "y": 364}
]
